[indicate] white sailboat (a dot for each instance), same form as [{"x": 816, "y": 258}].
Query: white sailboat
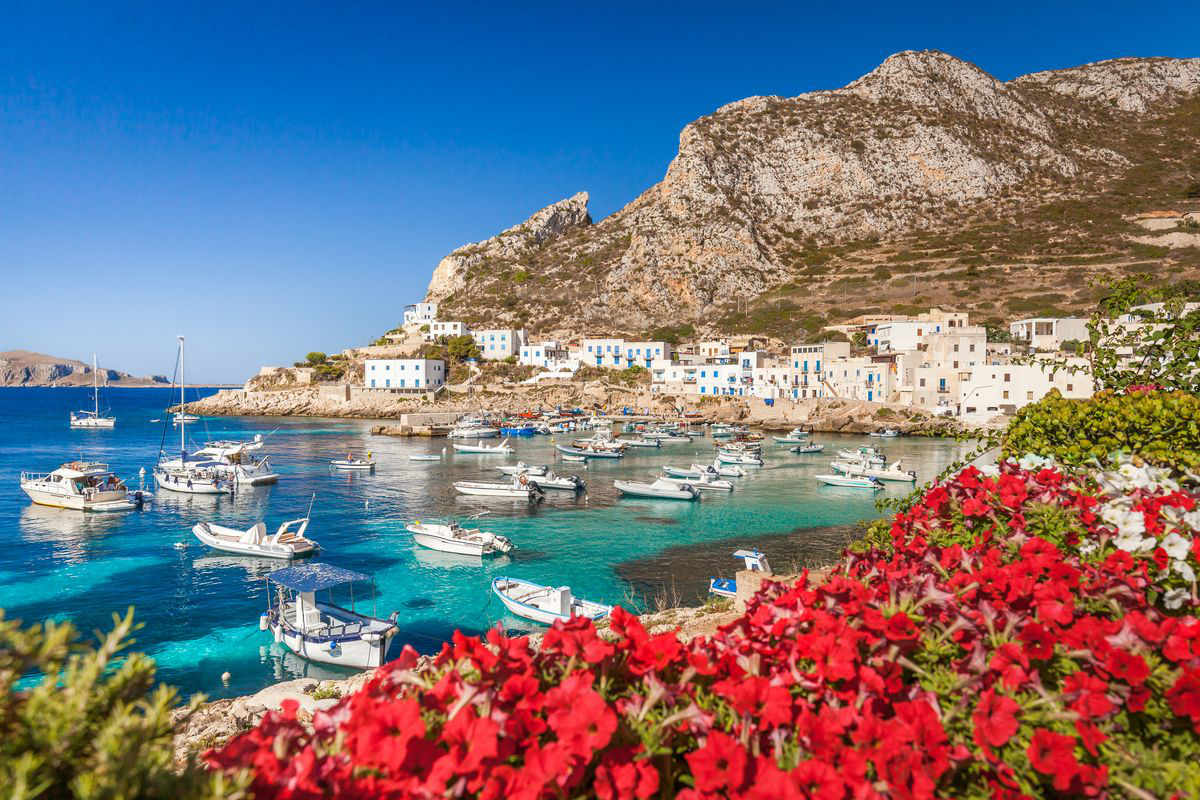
[
  {"x": 191, "y": 476},
  {"x": 92, "y": 419}
]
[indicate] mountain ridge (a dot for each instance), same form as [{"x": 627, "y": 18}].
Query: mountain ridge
[{"x": 801, "y": 204}]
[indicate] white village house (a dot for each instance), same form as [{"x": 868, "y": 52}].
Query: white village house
[{"x": 422, "y": 374}]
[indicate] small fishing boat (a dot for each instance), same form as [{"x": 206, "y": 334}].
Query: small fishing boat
[
  {"x": 645, "y": 441},
  {"x": 519, "y": 487},
  {"x": 794, "y": 436},
  {"x": 574, "y": 459},
  {"x": 352, "y": 464},
  {"x": 864, "y": 453},
  {"x": 587, "y": 452},
  {"x": 661, "y": 489},
  {"x": 288, "y": 541},
  {"x": 744, "y": 458},
  {"x": 182, "y": 419},
  {"x": 755, "y": 561},
  {"x": 545, "y": 604},
  {"x": 501, "y": 449},
  {"x": 566, "y": 483},
  {"x": 451, "y": 537},
  {"x": 79, "y": 486},
  {"x": 521, "y": 468},
  {"x": 92, "y": 419},
  {"x": 811, "y": 447},
  {"x": 892, "y": 472},
  {"x": 707, "y": 482},
  {"x": 322, "y": 631},
  {"x": 425, "y": 457},
  {"x": 473, "y": 427},
  {"x": 886, "y": 433},
  {"x": 851, "y": 481}
]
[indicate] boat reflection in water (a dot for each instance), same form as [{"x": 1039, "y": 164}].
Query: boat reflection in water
[{"x": 69, "y": 532}]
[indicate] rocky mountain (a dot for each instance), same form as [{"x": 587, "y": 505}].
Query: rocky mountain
[
  {"x": 23, "y": 368},
  {"x": 926, "y": 181}
]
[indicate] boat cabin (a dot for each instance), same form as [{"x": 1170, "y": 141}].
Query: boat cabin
[{"x": 297, "y": 606}]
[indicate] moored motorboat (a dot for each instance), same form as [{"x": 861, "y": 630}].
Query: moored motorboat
[
  {"x": 574, "y": 458},
  {"x": 323, "y": 631},
  {"x": 864, "y": 453},
  {"x": 451, "y": 537},
  {"x": 754, "y": 560},
  {"x": 744, "y": 458},
  {"x": 288, "y": 541},
  {"x": 501, "y": 449},
  {"x": 892, "y": 472},
  {"x": 707, "y": 482},
  {"x": 79, "y": 486},
  {"x": 850, "y": 481},
  {"x": 885, "y": 433},
  {"x": 661, "y": 489},
  {"x": 520, "y": 487},
  {"x": 566, "y": 483},
  {"x": 645, "y": 441},
  {"x": 352, "y": 464},
  {"x": 425, "y": 457},
  {"x": 794, "y": 436},
  {"x": 521, "y": 467},
  {"x": 588, "y": 452},
  {"x": 811, "y": 447},
  {"x": 545, "y": 604}
]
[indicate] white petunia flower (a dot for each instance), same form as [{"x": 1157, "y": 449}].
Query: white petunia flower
[
  {"x": 1175, "y": 598},
  {"x": 1185, "y": 571},
  {"x": 1127, "y": 522},
  {"x": 990, "y": 470},
  {"x": 1135, "y": 543},
  {"x": 1177, "y": 547},
  {"x": 1192, "y": 519},
  {"x": 1032, "y": 461}
]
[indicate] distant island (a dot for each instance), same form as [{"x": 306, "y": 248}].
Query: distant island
[{"x": 23, "y": 368}]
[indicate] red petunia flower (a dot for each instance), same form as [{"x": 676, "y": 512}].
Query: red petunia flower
[
  {"x": 1053, "y": 754},
  {"x": 719, "y": 765},
  {"x": 995, "y": 719}
]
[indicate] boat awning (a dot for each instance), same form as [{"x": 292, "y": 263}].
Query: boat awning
[{"x": 313, "y": 577}]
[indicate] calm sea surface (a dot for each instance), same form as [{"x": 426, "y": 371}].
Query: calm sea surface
[{"x": 200, "y": 608}]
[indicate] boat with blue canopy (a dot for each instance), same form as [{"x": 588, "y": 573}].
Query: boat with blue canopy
[{"x": 321, "y": 630}]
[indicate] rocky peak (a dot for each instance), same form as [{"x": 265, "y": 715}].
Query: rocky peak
[
  {"x": 1128, "y": 84},
  {"x": 509, "y": 245}
]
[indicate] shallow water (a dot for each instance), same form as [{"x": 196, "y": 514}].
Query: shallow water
[{"x": 200, "y": 608}]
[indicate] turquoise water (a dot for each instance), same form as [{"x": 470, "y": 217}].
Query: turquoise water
[{"x": 200, "y": 608}]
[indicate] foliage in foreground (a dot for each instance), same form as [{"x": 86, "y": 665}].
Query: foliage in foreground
[
  {"x": 1030, "y": 632},
  {"x": 95, "y": 726},
  {"x": 1161, "y": 427}
]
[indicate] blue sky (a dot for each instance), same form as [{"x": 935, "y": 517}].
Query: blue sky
[{"x": 273, "y": 178}]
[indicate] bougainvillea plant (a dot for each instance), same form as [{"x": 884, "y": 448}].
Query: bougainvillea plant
[{"x": 1029, "y": 631}]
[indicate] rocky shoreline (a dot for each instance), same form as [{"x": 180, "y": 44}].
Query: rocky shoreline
[{"x": 826, "y": 415}]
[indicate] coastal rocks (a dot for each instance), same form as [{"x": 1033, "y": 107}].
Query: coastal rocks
[
  {"x": 24, "y": 368},
  {"x": 510, "y": 245}
]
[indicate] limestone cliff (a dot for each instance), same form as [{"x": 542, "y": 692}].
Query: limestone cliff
[
  {"x": 23, "y": 368},
  {"x": 925, "y": 181}
]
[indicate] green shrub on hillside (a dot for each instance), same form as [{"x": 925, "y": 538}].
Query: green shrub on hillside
[
  {"x": 1160, "y": 427},
  {"x": 95, "y": 726}
]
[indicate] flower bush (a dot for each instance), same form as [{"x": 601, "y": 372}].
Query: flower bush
[{"x": 1030, "y": 631}]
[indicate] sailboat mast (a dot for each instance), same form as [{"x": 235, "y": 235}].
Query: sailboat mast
[
  {"x": 95, "y": 388},
  {"x": 182, "y": 412}
]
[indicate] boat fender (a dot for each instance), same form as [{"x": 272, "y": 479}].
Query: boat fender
[
  {"x": 333, "y": 648},
  {"x": 262, "y": 622},
  {"x": 278, "y": 634}
]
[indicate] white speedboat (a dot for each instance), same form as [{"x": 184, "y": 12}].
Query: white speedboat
[
  {"x": 501, "y": 449},
  {"x": 645, "y": 441},
  {"x": 232, "y": 446},
  {"x": 288, "y": 541},
  {"x": 521, "y": 468},
  {"x": 474, "y": 427},
  {"x": 864, "y": 453},
  {"x": 811, "y": 447},
  {"x": 794, "y": 436},
  {"x": 545, "y": 604},
  {"x": 520, "y": 487},
  {"x": 886, "y": 433},
  {"x": 574, "y": 459},
  {"x": 351, "y": 464},
  {"x": 566, "y": 483},
  {"x": 322, "y": 631},
  {"x": 705, "y": 483},
  {"x": 92, "y": 419},
  {"x": 589, "y": 452},
  {"x": 661, "y": 489},
  {"x": 892, "y": 472},
  {"x": 183, "y": 419},
  {"x": 744, "y": 458},
  {"x": 453, "y": 538},
  {"x": 80, "y": 486},
  {"x": 851, "y": 481},
  {"x": 425, "y": 457}
]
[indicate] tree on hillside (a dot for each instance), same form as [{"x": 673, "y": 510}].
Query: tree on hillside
[
  {"x": 316, "y": 357},
  {"x": 460, "y": 348}
]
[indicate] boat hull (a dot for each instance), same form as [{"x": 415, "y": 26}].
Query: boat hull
[
  {"x": 243, "y": 549},
  {"x": 492, "y": 490},
  {"x": 451, "y": 545},
  {"x": 118, "y": 501},
  {"x": 355, "y": 653},
  {"x": 531, "y": 612}
]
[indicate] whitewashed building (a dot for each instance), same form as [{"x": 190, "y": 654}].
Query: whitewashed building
[
  {"x": 643, "y": 354},
  {"x": 423, "y": 374},
  {"x": 991, "y": 389},
  {"x": 860, "y": 378},
  {"x": 930, "y": 377},
  {"x": 673, "y": 377},
  {"x": 1048, "y": 333},
  {"x": 808, "y": 362},
  {"x": 420, "y": 313},
  {"x": 441, "y": 328},
  {"x": 601, "y": 352},
  {"x": 496, "y": 344},
  {"x": 723, "y": 380},
  {"x": 549, "y": 355}
]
